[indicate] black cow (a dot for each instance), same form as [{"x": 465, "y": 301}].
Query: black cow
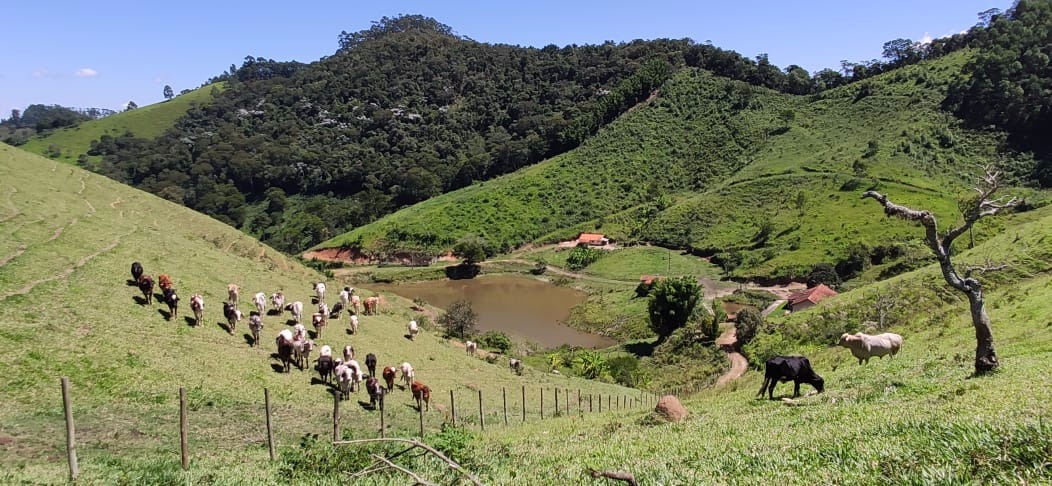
[
  {"x": 370, "y": 362},
  {"x": 376, "y": 392},
  {"x": 136, "y": 271},
  {"x": 325, "y": 367},
  {"x": 789, "y": 368},
  {"x": 173, "y": 302}
]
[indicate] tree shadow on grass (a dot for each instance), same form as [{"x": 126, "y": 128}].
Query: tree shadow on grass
[{"x": 641, "y": 349}]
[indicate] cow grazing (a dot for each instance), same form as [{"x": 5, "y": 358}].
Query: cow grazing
[
  {"x": 172, "y": 300},
  {"x": 376, "y": 392},
  {"x": 864, "y": 346},
  {"x": 284, "y": 342},
  {"x": 515, "y": 365},
  {"x": 260, "y": 300},
  {"x": 136, "y": 270},
  {"x": 414, "y": 329},
  {"x": 146, "y": 287},
  {"x": 197, "y": 305},
  {"x": 319, "y": 288},
  {"x": 277, "y": 299},
  {"x": 255, "y": 324},
  {"x": 164, "y": 281},
  {"x": 421, "y": 393},
  {"x": 370, "y": 363},
  {"x": 232, "y": 315},
  {"x": 789, "y": 368},
  {"x": 325, "y": 364},
  {"x": 232, "y": 294},
  {"x": 472, "y": 347},
  {"x": 389, "y": 377},
  {"x": 372, "y": 306},
  {"x": 297, "y": 310}
]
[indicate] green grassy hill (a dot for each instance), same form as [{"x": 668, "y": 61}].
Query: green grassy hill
[
  {"x": 712, "y": 164},
  {"x": 69, "y": 238},
  {"x": 68, "y": 144},
  {"x": 916, "y": 419}
]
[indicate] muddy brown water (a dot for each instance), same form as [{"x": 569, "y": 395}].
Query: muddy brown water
[{"x": 523, "y": 307}]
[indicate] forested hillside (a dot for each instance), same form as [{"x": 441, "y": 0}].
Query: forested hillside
[{"x": 407, "y": 110}]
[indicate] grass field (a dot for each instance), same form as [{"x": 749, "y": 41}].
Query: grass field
[
  {"x": 69, "y": 237},
  {"x": 145, "y": 122}
]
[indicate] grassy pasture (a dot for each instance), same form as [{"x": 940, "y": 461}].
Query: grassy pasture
[{"x": 69, "y": 238}]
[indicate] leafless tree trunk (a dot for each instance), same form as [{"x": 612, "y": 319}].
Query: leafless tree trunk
[{"x": 983, "y": 205}]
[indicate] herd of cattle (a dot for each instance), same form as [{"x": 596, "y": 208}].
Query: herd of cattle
[{"x": 294, "y": 346}]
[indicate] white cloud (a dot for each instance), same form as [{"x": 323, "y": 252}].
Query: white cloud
[
  {"x": 86, "y": 73},
  {"x": 926, "y": 39}
]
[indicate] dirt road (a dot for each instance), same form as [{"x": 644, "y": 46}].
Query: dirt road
[{"x": 728, "y": 342}]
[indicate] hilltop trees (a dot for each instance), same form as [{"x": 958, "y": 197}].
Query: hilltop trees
[
  {"x": 168, "y": 92},
  {"x": 672, "y": 303},
  {"x": 980, "y": 206}
]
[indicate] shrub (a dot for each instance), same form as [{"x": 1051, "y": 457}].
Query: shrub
[
  {"x": 459, "y": 320},
  {"x": 581, "y": 257},
  {"x": 496, "y": 340},
  {"x": 764, "y": 346},
  {"x": 672, "y": 303},
  {"x": 747, "y": 323}
]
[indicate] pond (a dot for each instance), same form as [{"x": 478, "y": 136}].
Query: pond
[{"x": 523, "y": 307}]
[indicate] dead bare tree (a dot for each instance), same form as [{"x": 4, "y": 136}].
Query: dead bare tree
[{"x": 942, "y": 245}]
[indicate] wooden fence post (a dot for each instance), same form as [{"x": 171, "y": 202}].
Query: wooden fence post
[
  {"x": 524, "y": 403},
  {"x": 383, "y": 420},
  {"x": 482, "y": 415},
  {"x": 336, "y": 416},
  {"x": 182, "y": 429},
  {"x": 420, "y": 409},
  {"x": 580, "y": 406},
  {"x": 270, "y": 430},
  {"x": 566, "y": 393},
  {"x": 71, "y": 448},
  {"x": 600, "y": 403},
  {"x": 542, "y": 403},
  {"x": 452, "y": 408},
  {"x": 556, "y": 414},
  {"x": 504, "y": 393}
]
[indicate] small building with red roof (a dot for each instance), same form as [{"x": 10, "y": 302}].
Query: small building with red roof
[
  {"x": 593, "y": 239},
  {"x": 804, "y": 299}
]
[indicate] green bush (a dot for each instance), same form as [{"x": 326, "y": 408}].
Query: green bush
[
  {"x": 495, "y": 340},
  {"x": 582, "y": 256},
  {"x": 764, "y": 346}
]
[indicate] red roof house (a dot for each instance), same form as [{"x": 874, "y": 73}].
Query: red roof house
[
  {"x": 593, "y": 239},
  {"x": 806, "y": 298}
]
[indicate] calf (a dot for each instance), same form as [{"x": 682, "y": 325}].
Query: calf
[
  {"x": 372, "y": 306},
  {"x": 515, "y": 365},
  {"x": 232, "y": 294},
  {"x": 376, "y": 392},
  {"x": 864, "y": 346},
  {"x": 164, "y": 281},
  {"x": 348, "y": 352},
  {"x": 414, "y": 329},
  {"x": 319, "y": 288},
  {"x": 353, "y": 324},
  {"x": 356, "y": 303},
  {"x": 789, "y": 368},
  {"x": 255, "y": 324},
  {"x": 421, "y": 393},
  {"x": 301, "y": 350},
  {"x": 389, "y": 377},
  {"x": 260, "y": 300},
  {"x": 232, "y": 314},
  {"x": 325, "y": 364},
  {"x": 146, "y": 287},
  {"x": 370, "y": 362},
  {"x": 297, "y": 310},
  {"x": 471, "y": 347},
  {"x": 318, "y": 321},
  {"x": 136, "y": 270},
  {"x": 172, "y": 301},
  {"x": 197, "y": 304},
  {"x": 278, "y": 300},
  {"x": 345, "y": 298},
  {"x": 284, "y": 343}
]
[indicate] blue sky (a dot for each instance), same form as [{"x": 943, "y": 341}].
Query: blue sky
[{"x": 105, "y": 53}]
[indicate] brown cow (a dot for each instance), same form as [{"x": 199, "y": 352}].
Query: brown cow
[
  {"x": 372, "y": 306},
  {"x": 389, "y": 377},
  {"x": 164, "y": 282},
  {"x": 146, "y": 287},
  {"x": 422, "y": 392}
]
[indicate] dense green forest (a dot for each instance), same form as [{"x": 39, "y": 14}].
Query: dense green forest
[{"x": 406, "y": 110}]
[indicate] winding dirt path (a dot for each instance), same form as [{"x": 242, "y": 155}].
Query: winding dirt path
[{"x": 728, "y": 342}]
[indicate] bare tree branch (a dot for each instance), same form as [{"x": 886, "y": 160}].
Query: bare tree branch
[
  {"x": 419, "y": 480},
  {"x": 416, "y": 443},
  {"x": 620, "y": 476},
  {"x": 968, "y": 269}
]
